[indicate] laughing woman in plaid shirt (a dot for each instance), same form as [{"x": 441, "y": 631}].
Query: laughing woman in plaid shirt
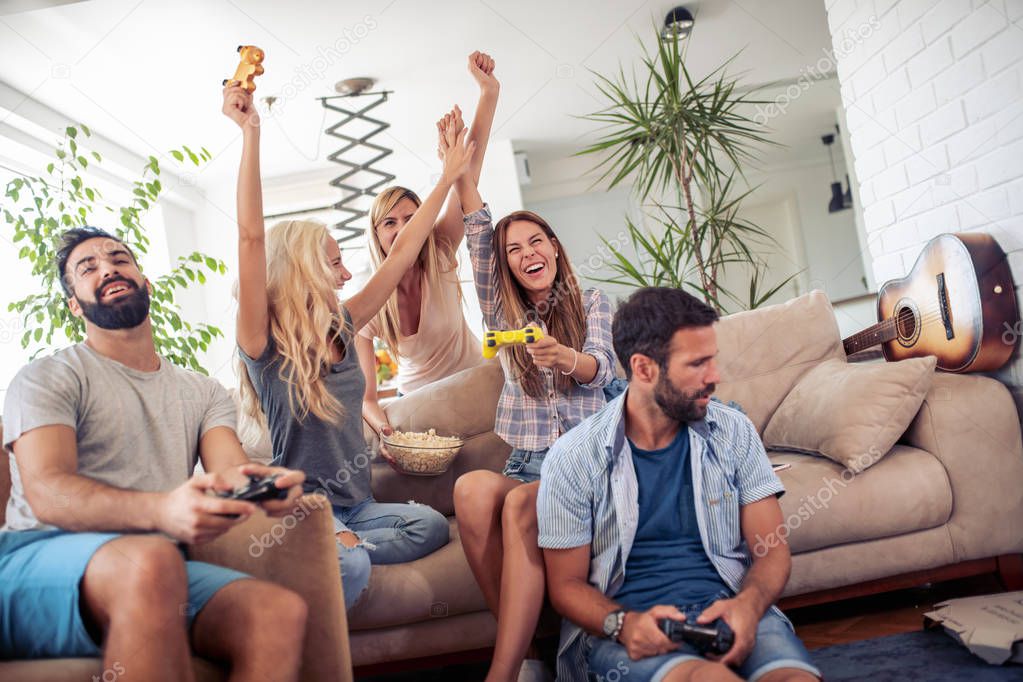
[{"x": 523, "y": 276}]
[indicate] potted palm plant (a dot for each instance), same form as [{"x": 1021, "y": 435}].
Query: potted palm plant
[{"x": 682, "y": 142}]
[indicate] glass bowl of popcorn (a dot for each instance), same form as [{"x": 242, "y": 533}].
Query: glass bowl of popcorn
[{"x": 423, "y": 453}]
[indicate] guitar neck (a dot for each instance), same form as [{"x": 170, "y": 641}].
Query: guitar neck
[{"x": 881, "y": 332}]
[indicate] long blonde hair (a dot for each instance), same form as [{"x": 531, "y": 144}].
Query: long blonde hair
[
  {"x": 562, "y": 312},
  {"x": 305, "y": 320},
  {"x": 437, "y": 259}
]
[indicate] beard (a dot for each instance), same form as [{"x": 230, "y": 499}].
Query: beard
[
  {"x": 127, "y": 312},
  {"x": 678, "y": 404}
]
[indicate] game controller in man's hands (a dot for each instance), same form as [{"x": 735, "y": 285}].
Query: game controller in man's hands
[
  {"x": 259, "y": 489},
  {"x": 714, "y": 638}
]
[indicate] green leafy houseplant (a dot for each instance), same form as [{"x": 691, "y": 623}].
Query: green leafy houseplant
[
  {"x": 38, "y": 209},
  {"x": 685, "y": 140}
]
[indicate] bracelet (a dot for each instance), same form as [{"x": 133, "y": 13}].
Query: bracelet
[{"x": 575, "y": 363}]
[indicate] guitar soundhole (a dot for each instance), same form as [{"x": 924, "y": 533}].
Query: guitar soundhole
[{"x": 907, "y": 323}]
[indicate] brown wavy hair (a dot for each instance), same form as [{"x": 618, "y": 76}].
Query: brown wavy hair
[{"x": 562, "y": 311}]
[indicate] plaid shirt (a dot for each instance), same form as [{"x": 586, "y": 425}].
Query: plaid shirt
[{"x": 523, "y": 421}]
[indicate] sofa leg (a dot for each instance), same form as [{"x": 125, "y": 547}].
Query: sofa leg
[{"x": 1010, "y": 569}]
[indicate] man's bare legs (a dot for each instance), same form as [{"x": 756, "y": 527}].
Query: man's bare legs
[
  {"x": 135, "y": 594},
  {"x": 257, "y": 627}
]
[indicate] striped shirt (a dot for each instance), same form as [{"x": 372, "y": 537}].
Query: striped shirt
[
  {"x": 522, "y": 421},
  {"x": 589, "y": 495}
]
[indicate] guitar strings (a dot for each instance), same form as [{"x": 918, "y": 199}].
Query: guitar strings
[{"x": 930, "y": 316}]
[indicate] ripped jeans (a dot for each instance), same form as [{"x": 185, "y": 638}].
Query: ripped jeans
[{"x": 388, "y": 534}]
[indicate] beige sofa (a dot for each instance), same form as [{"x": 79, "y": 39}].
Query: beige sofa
[{"x": 948, "y": 500}]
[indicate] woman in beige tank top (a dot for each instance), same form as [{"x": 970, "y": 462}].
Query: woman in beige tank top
[{"x": 422, "y": 322}]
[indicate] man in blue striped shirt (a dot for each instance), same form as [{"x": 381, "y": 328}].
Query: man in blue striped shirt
[{"x": 647, "y": 511}]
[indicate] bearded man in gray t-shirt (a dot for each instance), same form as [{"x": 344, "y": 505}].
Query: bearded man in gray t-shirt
[{"x": 105, "y": 436}]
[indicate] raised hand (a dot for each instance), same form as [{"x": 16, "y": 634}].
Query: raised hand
[
  {"x": 481, "y": 66},
  {"x": 452, "y": 118},
  {"x": 454, "y": 151},
  {"x": 239, "y": 107}
]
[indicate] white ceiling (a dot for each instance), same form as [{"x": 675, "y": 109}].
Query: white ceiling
[{"x": 147, "y": 73}]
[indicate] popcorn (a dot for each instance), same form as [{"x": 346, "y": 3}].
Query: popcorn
[{"x": 423, "y": 453}]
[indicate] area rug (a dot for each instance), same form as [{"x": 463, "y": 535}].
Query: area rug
[{"x": 926, "y": 655}]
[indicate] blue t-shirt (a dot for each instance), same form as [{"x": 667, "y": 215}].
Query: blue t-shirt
[{"x": 667, "y": 564}]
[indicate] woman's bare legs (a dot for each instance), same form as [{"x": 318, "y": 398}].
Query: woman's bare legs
[
  {"x": 522, "y": 583},
  {"x": 479, "y": 500}
]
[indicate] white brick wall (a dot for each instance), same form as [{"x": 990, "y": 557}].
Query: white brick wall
[{"x": 934, "y": 99}]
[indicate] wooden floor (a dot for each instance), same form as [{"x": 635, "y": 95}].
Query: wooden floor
[
  {"x": 818, "y": 626},
  {"x": 879, "y": 615}
]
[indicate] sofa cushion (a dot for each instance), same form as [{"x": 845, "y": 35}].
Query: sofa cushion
[
  {"x": 851, "y": 413},
  {"x": 762, "y": 353},
  {"x": 464, "y": 403},
  {"x": 483, "y": 451},
  {"x": 827, "y": 505},
  {"x": 437, "y": 586}
]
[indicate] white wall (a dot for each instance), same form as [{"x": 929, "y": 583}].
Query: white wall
[
  {"x": 792, "y": 200},
  {"x": 829, "y": 253},
  {"x": 936, "y": 126}
]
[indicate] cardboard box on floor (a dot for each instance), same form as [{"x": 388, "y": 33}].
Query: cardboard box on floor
[{"x": 990, "y": 626}]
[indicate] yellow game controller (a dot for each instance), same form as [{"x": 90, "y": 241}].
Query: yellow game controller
[
  {"x": 492, "y": 341},
  {"x": 250, "y": 66}
]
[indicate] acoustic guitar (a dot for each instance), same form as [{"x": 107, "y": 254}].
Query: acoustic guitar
[{"x": 957, "y": 304}]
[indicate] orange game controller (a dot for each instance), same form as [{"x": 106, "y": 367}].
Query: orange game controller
[{"x": 250, "y": 66}]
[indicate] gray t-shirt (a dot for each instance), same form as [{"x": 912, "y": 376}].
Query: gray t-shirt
[
  {"x": 334, "y": 457},
  {"x": 135, "y": 430}
]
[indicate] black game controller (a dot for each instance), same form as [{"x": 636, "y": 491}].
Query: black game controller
[
  {"x": 714, "y": 638},
  {"x": 259, "y": 489}
]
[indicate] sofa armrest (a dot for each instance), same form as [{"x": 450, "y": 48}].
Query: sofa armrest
[
  {"x": 299, "y": 552},
  {"x": 970, "y": 423}
]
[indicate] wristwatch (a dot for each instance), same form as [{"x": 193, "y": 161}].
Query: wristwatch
[{"x": 613, "y": 624}]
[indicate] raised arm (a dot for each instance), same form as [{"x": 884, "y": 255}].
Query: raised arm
[
  {"x": 479, "y": 232},
  {"x": 407, "y": 245},
  {"x": 253, "y": 327},
  {"x": 481, "y": 66}
]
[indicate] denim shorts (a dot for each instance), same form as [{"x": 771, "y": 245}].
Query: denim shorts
[
  {"x": 776, "y": 647},
  {"x": 40, "y": 575},
  {"x": 524, "y": 465}
]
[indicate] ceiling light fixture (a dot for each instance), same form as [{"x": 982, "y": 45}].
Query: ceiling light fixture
[{"x": 679, "y": 22}]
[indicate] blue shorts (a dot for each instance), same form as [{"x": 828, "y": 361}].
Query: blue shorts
[
  {"x": 776, "y": 647},
  {"x": 524, "y": 465},
  {"x": 40, "y": 575}
]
